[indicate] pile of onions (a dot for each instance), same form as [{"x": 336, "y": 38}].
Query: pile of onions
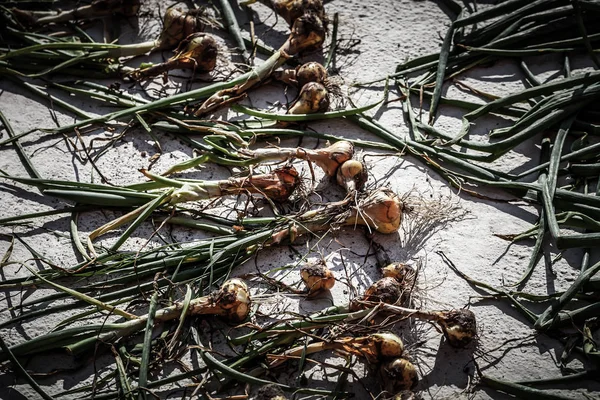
[{"x": 307, "y": 33}]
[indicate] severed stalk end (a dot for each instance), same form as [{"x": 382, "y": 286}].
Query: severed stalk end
[
  {"x": 317, "y": 277},
  {"x": 459, "y": 326},
  {"x": 313, "y": 98},
  {"x": 352, "y": 175},
  {"x": 397, "y": 375}
]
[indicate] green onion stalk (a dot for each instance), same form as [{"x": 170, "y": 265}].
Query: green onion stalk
[{"x": 231, "y": 301}]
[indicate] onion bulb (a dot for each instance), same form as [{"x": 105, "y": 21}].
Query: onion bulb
[
  {"x": 231, "y": 301},
  {"x": 311, "y": 72},
  {"x": 385, "y": 290},
  {"x": 177, "y": 25},
  {"x": 270, "y": 392},
  {"x": 403, "y": 273},
  {"x": 305, "y": 73},
  {"x": 459, "y": 326},
  {"x": 313, "y": 98},
  {"x": 317, "y": 277},
  {"x": 380, "y": 209},
  {"x": 375, "y": 348},
  {"x": 397, "y": 375},
  {"x": 197, "y": 52},
  {"x": 308, "y": 33},
  {"x": 352, "y": 175},
  {"x": 291, "y": 10}
]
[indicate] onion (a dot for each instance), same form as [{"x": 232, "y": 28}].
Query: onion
[
  {"x": 313, "y": 98},
  {"x": 459, "y": 326},
  {"x": 381, "y": 210},
  {"x": 291, "y": 10},
  {"x": 270, "y": 392},
  {"x": 311, "y": 72},
  {"x": 375, "y": 348},
  {"x": 177, "y": 25},
  {"x": 352, "y": 175},
  {"x": 231, "y": 301},
  {"x": 397, "y": 375},
  {"x": 197, "y": 52},
  {"x": 317, "y": 277},
  {"x": 385, "y": 290},
  {"x": 308, "y": 33},
  {"x": 403, "y": 273},
  {"x": 305, "y": 73}
]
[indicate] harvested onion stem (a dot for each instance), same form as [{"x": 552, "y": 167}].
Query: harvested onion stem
[
  {"x": 458, "y": 326},
  {"x": 308, "y": 32},
  {"x": 232, "y": 302},
  {"x": 379, "y": 210},
  {"x": 375, "y": 348},
  {"x": 329, "y": 158},
  {"x": 197, "y": 52},
  {"x": 277, "y": 186}
]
